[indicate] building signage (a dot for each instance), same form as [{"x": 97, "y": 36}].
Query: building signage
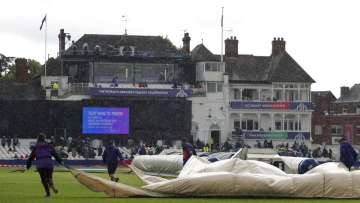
[
  {"x": 274, "y": 135},
  {"x": 145, "y": 92},
  {"x": 299, "y": 106}
]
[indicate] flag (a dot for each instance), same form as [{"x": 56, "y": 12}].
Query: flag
[{"x": 42, "y": 22}]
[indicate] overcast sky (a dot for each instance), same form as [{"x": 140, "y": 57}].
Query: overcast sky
[{"x": 323, "y": 36}]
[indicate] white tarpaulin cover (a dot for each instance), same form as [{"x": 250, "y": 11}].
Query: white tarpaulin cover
[
  {"x": 161, "y": 165},
  {"x": 236, "y": 177}
]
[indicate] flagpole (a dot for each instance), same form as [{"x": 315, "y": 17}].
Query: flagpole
[
  {"x": 222, "y": 33},
  {"x": 45, "y": 48}
]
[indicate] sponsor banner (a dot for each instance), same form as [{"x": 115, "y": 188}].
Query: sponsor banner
[
  {"x": 299, "y": 106},
  {"x": 299, "y": 135},
  {"x": 274, "y": 135},
  {"x": 145, "y": 92}
]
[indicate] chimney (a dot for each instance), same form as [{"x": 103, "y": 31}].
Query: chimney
[
  {"x": 278, "y": 46},
  {"x": 186, "y": 42},
  {"x": 61, "y": 36},
  {"x": 231, "y": 46},
  {"x": 21, "y": 70},
  {"x": 344, "y": 91}
]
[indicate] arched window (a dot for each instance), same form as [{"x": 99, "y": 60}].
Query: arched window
[
  {"x": 127, "y": 51},
  {"x": 85, "y": 48},
  {"x": 97, "y": 49}
]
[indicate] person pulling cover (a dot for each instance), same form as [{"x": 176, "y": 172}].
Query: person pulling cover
[
  {"x": 110, "y": 157},
  {"x": 348, "y": 155},
  {"x": 188, "y": 150},
  {"x": 43, "y": 153}
]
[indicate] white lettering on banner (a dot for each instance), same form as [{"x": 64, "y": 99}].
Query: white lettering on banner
[
  {"x": 181, "y": 93},
  {"x": 301, "y": 107}
]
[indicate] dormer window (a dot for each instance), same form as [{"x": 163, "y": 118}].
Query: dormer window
[
  {"x": 97, "y": 49},
  {"x": 127, "y": 51},
  {"x": 121, "y": 50},
  {"x": 85, "y": 48},
  {"x": 132, "y": 50}
]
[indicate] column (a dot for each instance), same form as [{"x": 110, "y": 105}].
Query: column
[
  {"x": 259, "y": 120},
  {"x": 240, "y": 117},
  {"x": 284, "y": 96},
  {"x": 272, "y": 121},
  {"x": 283, "y": 122},
  {"x": 240, "y": 94},
  {"x": 298, "y": 89},
  {"x": 259, "y": 94}
]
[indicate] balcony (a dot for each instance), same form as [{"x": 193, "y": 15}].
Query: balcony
[
  {"x": 116, "y": 53},
  {"x": 128, "y": 89}
]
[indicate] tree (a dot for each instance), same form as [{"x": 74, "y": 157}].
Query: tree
[
  {"x": 9, "y": 70},
  {"x": 5, "y": 65},
  {"x": 34, "y": 68}
]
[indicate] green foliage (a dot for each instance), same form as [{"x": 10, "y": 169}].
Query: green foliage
[
  {"x": 26, "y": 188},
  {"x": 5, "y": 64},
  {"x": 9, "y": 69},
  {"x": 34, "y": 68}
]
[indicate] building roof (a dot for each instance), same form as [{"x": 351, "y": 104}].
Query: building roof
[
  {"x": 152, "y": 46},
  {"x": 279, "y": 68},
  {"x": 201, "y": 53},
  {"x": 352, "y": 96},
  {"x": 328, "y": 94},
  {"x": 250, "y": 68}
]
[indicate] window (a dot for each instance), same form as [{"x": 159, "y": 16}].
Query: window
[
  {"x": 212, "y": 67},
  {"x": 236, "y": 94},
  {"x": 249, "y": 124},
  {"x": 211, "y": 87},
  {"x": 285, "y": 125},
  {"x": 214, "y": 87},
  {"x": 291, "y": 125},
  {"x": 336, "y": 130},
  {"x": 290, "y": 86},
  {"x": 219, "y": 87},
  {"x": 291, "y": 95},
  {"x": 236, "y": 124},
  {"x": 278, "y": 95},
  {"x": 250, "y": 94},
  {"x": 344, "y": 109},
  {"x": 85, "y": 48},
  {"x": 297, "y": 125},
  {"x": 357, "y": 130},
  {"x": 243, "y": 124},
  {"x": 304, "y": 95},
  {"x": 318, "y": 129},
  {"x": 278, "y": 125}
]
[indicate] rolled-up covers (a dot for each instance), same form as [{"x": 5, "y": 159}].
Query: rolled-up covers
[{"x": 236, "y": 177}]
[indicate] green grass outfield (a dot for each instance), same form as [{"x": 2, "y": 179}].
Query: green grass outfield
[{"x": 17, "y": 187}]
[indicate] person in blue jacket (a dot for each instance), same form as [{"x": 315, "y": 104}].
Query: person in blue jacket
[
  {"x": 187, "y": 149},
  {"x": 110, "y": 157},
  {"x": 348, "y": 155},
  {"x": 306, "y": 165},
  {"x": 43, "y": 153}
]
